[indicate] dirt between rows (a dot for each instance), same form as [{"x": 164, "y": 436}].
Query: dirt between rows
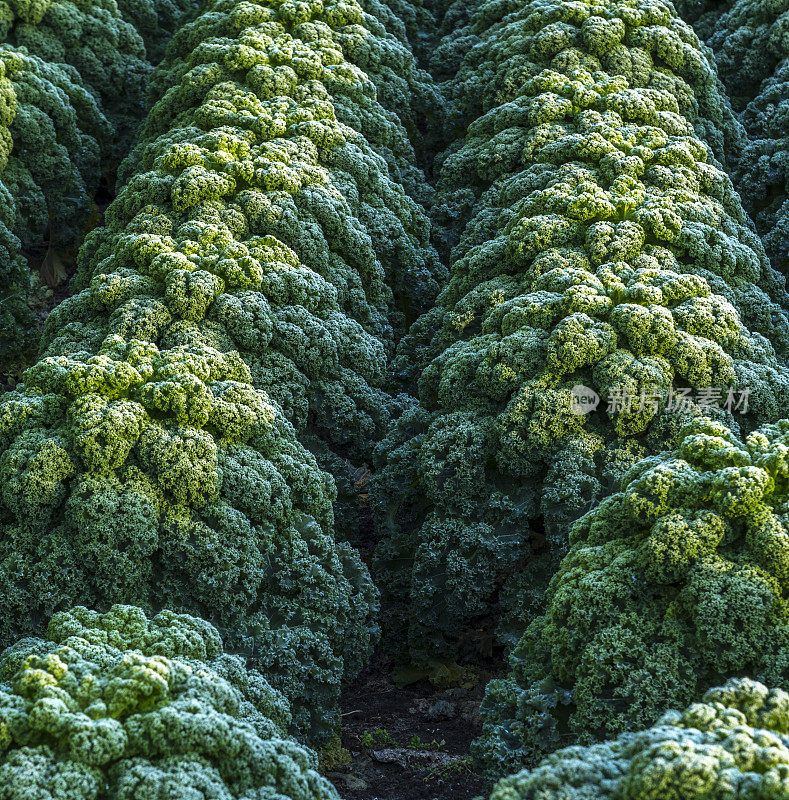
[{"x": 409, "y": 743}]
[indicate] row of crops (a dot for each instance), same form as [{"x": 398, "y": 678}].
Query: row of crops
[{"x": 522, "y": 262}]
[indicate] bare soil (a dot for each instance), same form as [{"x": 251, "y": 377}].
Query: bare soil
[{"x": 380, "y": 722}]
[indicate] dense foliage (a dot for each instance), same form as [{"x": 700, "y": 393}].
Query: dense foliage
[
  {"x": 51, "y": 136},
  {"x": 509, "y": 274},
  {"x": 678, "y": 579},
  {"x": 751, "y": 52},
  {"x": 734, "y": 743},
  {"x": 235, "y": 293},
  {"x": 74, "y": 81},
  {"x": 489, "y": 55},
  {"x": 702, "y": 14},
  {"x": 603, "y": 247},
  {"x": 156, "y": 21},
  {"x": 281, "y": 159},
  {"x": 119, "y": 706},
  {"x": 98, "y": 44}
]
